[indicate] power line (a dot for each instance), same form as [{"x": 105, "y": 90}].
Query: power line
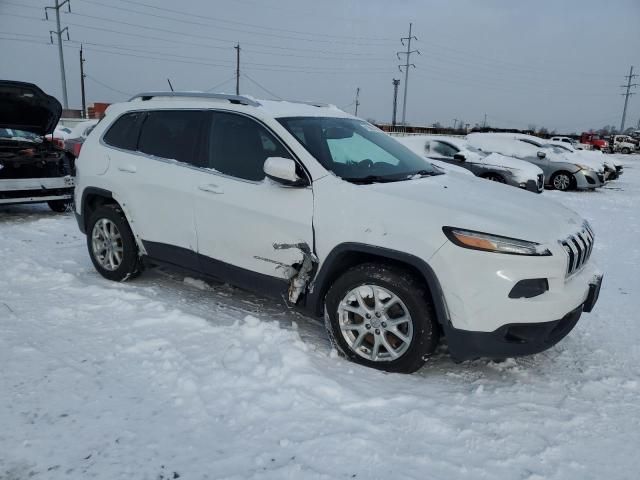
[
  {"x": 174, "y": 32},
  {"x": 406, "y": 69},
  {"x": 227, "y": 44},
  {"x": 107, "y": 86},
  {"x": 232, "y": 22},
  {"x": 220, "y": 84},
  {"x": 261, "y": 87},
  {"x": 626, "y": 95},
  {"x": 293, "y": 69}
]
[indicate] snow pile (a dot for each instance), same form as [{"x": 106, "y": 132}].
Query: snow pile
[{"x": 166, "y": 377}]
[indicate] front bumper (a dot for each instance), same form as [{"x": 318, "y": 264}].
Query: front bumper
[
  {"x": 530, "y": 185},
  {"x": 517, "y": 339},
  {"x": 536, "y": 186},
  {"x": 588, "y": 179},
  {"x": 476, "y": 286}
]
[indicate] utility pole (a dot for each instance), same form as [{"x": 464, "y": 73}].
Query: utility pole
[
  {"x": 626, "y": 95},
  {"x": 58, "y": 33},
  {"x": 396, "y": 82},
  {"x": 406, "y": 69},
  {"x": 455, "y": 122},
  {"x": 237, "y": 47},
  {"x": 484, "y": 123},
  {"x": 82, "y": 75},
  {"x": 357, "y": 100}
]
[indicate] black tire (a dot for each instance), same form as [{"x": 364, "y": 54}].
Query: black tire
[
  {"x": 130, "y": 266},
  {"x": 410, "y": 291},
  {"x": 60, "y": 206},
  {"x": 494, "y": 177},
  {"x": 626, "y": 151},
  {"x": 556, "y": 184}
]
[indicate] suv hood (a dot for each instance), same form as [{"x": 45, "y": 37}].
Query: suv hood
[
  {"x": 23, "y": 106},
  {"x": 467, "y": 202}
]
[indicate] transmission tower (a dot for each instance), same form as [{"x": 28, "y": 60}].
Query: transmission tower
[
  {"x": 58, "y": 32},
  {"x": 406, "y": 66},
  {"x": 626, "y": 95}
]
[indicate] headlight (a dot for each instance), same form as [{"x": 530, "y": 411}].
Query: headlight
[
  {"x": 583, "y": 167},
  {"x": 493, "y": 243}
]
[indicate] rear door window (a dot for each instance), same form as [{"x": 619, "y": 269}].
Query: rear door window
[
  {"x": 124, "y": 131},
  {"x": 174, "y": 135}
]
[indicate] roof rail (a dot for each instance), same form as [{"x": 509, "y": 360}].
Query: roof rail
[
  {"x": 312, "y": 104},
  {"x": 232, "y": 98}
]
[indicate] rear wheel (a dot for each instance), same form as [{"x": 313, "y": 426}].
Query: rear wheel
[
  {"x": 562, "y": 181},
  {"x": 111, "y": 244},
  {"x": 381, "y": 317}
]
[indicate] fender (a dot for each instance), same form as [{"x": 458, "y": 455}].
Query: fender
[
  {"x": 80, "y": 217},
  {"x": 333, "y": 264}
]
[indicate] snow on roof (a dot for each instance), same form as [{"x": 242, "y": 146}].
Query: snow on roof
[
  {"x": 506, "y": 144},
  {"x": 418, "y": 143},
  {"x": 274, "y": 108},
  {"x": 284, "y": 108}
]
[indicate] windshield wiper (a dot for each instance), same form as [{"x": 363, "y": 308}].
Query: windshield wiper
[
  {"x": 425, "y": 173},
  {"x": 372, "y": 179}
]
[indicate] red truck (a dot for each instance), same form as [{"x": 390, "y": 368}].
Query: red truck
[{"x": 593, "y": 139}]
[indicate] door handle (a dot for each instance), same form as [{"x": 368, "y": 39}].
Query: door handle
[
  {"x": 210, "y": 188},
  {"x": 128, "y": 168}
]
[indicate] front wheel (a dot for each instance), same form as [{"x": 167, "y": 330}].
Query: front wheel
[
  {"x": 111, "y": 244},
  {"x": 381, "y": 317},
  {"x": 626, "y": 151},
  {"x": 562, "y": 181}
]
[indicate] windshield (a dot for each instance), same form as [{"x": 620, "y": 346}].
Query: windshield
[
  {"x": 561, "y": 148},
  {"x": 471, "y": 148},
  {"x": 356, "y": 150}
]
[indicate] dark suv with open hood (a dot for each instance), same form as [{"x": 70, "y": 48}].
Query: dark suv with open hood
[{"x": 32, "y": 168}]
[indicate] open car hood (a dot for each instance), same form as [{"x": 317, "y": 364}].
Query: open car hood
[{"x": 23, "y": 106}]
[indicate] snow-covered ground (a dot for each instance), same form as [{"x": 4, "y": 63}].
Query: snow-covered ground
[{"x": 166, "y": 377}]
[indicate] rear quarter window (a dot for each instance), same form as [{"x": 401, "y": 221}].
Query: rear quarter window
[{"x": 124, "y": 131}]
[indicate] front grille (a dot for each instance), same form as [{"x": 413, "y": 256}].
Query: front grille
[
  {"x": 578, "y": 248},
  {"x": 601, "y": 177},
  {"x": 540, "y": 181}
]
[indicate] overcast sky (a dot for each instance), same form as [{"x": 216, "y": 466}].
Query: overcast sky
[{"x": 548, "y": 63}]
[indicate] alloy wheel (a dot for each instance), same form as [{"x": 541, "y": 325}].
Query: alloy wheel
[
  {"x": 106, "y": 243},
  {"x": 561, "y": 182},
  {"x": 375, "y": 323}
]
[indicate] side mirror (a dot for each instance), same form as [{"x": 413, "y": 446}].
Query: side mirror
[
  {"x": 542, "y": 155},
  {"x": 282, "y": 170},
  {"x": 459, "y": 156}
]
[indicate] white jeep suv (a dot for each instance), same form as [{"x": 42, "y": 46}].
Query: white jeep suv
[{"x": 312, "y": 205}]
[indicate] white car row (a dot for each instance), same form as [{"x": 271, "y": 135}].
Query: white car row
[{"x": 519, "y": 160}]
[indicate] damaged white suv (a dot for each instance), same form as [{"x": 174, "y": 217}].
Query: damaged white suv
[{"x": 310, "y": 204}]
